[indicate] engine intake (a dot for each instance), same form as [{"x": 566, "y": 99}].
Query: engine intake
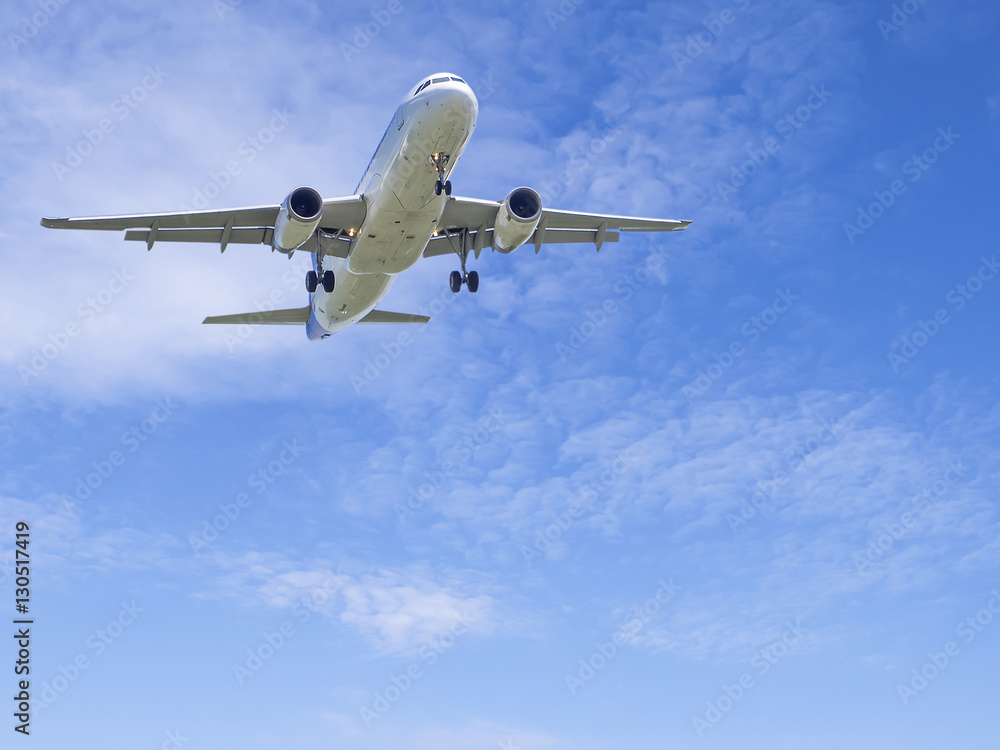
[
  {"x": 516, "y": 219},
  {"x": 297, "y": 219}
]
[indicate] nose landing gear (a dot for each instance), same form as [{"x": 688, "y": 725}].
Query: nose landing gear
[{"x": 440, "y": 162}]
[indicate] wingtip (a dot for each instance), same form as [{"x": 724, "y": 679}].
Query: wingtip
[{"x": 49, "y": 223}]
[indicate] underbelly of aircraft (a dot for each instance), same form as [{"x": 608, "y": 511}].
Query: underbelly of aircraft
[
  {"x": 391, "y": 241},
  {"x": 353, "y": 297}
]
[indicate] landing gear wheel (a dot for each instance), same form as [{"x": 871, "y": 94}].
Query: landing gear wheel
[
  {"x": 329, "y": 281},
  {"x": 311, "y": 281},
  {"x": 447, "y": 188},
  {"x": 455, "y": 282},
  {"x": 437, "y": 187},
  {"x": 473, "y": 281}
]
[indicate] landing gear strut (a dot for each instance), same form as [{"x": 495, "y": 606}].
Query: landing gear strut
[
  {"x": 440, "y": 161},
  {"x": 457, "y": 278}
]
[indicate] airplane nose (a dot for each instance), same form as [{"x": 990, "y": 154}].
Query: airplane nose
[
  {"x": 463, "y": 105},
  {"x": 457, "y": 102}
]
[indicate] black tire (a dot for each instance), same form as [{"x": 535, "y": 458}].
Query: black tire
[
  {"x": 311, "y": 281},
  {"x": 473, "y": 281},
  {"x": 455, "y": 282},
  {"x": 447, "y": 188},
  {"x": 437, "y": 188},
  {"x": 329, "y": 281}
]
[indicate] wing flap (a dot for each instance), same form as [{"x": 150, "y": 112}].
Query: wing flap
[
  {"x": 575, "y": 220},
  {"x": 293, "y": 316},
  {"x": 442, "y": 245},
  {"x": 243, "y": 236}
]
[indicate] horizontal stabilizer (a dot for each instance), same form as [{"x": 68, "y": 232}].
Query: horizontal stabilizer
[
  {"x": 381, "y": 316},
  {"x": 292, "y": 317}
]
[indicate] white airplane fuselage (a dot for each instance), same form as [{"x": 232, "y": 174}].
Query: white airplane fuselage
[{"x": 403, "y": 209}]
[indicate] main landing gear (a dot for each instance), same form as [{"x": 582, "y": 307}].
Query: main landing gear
[
  {"x": 457, "y": 278},
  {"x": 327, "y": 278},
  {"x": 440, "y": 161}
]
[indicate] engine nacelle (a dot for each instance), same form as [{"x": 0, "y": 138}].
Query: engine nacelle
[
  {"x": 516, "y": 220},
  {"x": 297, "y": 219}
]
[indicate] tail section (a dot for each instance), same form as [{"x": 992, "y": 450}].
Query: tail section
[{"x": 300, "y": 316}]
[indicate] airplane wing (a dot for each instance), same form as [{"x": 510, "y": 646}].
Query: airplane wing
[
  {"x": 253, "y": 225},
  {"x": 473, "y": 220}
]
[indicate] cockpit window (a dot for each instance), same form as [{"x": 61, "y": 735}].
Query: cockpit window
[{"x": 430, "y": 81}]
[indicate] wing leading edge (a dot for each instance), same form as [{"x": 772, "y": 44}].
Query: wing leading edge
[
  {"x": 252, "y": 225},
  {"x": 473, "y": 220}
]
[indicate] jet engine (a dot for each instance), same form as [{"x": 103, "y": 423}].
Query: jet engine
[
  {"x": 297, "y": 219},
  {"x": 516, "y": 220}
]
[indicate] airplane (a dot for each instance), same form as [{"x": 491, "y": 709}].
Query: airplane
[{"x": 402, "y": 210}]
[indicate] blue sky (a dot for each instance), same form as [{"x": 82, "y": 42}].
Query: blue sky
[{"x": 730, "y": 487}]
